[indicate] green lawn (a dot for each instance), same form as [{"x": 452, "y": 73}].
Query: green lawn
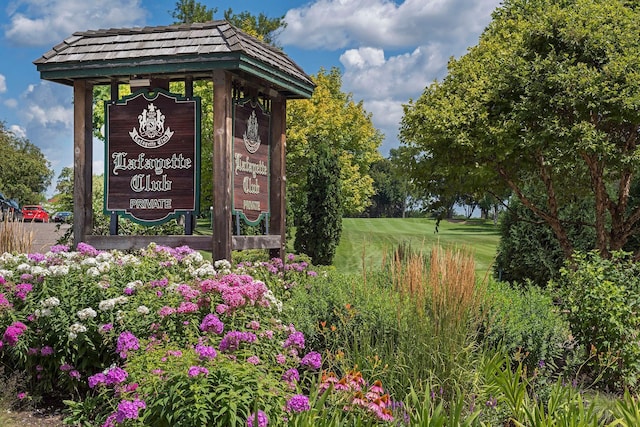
[{"x": 370, "y": 238}]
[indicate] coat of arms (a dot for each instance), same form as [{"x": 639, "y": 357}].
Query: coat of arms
[
  {"x": 151, "y": 126},
  {"x": 251, "y": 136}
]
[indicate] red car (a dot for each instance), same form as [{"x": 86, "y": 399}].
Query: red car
[{"x": 35, "y": 213}]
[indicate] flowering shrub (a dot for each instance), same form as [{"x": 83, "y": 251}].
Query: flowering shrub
[{"x": 160, "y": 337}]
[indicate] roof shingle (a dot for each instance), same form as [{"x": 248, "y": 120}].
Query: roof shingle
[{"x": 176, "y": 49}]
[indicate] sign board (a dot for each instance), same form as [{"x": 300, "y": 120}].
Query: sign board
[
  {"x": 251, "y": 163},
  {"x": 152, "y": 156}
]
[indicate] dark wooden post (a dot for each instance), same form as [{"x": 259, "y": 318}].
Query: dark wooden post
[
  {"x": 82, "y": 159},
  {"x": 189, "y": 218},
  {"x": 278, "y": 170},
  {"x": 115, "y": 95},
  {"x": 222, "y": 152}
]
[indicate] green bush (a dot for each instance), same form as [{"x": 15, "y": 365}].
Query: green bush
[
  {"x": 601, "y": 299},
  {"x": 528, "y": 248},
  {"x": 525, "y": 322}
]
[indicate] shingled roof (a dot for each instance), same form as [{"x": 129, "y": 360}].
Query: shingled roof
[{"x": 172, "y": 52}]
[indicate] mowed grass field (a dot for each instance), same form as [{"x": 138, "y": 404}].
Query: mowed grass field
[{"x": 366, "y": 241}]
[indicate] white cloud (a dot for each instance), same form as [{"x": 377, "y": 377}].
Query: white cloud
[
  {"x": 11, "y": 103},
  {"x": 45, "y": 23},
  {"x": 3, "y": 84},
  {"x": 392, "y": 49},
  {"x": 18, "y": 131},
  {"x": 401, "y": 76},
  {"x": 337, "y": 24},
  {"x": 386, "y": 84},
  {"x": 362, "y": 57}
]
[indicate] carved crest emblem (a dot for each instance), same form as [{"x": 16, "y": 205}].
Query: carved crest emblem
[
  {"x": 251, "y": 136},
  {"x": 152, "y": 133}
]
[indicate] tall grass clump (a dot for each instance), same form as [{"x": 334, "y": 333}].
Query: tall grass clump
[
  {"x": 393, "y": 324},
  {"x": 14, "y": 237}
]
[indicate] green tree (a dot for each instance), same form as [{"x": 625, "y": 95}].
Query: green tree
[
  {"x": 64, "y": 190},
  {"x": 548, "y": 99},
  {"x": 25, "y": 173},
  {"x": 332, "y": 115},
  {"x": 389, "y": 200},
  {"x": 190, "y": 11},
  {"x": 261, "y": 26},
  {"x": 319, "y": 232}
]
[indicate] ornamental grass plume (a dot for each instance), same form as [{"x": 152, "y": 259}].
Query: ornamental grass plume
[
  {"x": 14, "y": 237},
  {"x": 452, "y": 286}
]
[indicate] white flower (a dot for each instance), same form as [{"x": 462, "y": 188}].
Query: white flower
[
  {"x": 129, "y": 259},
  {"x": 104, "y": 267},
  {"x": 203, "y": 271},
  {"x": 106, "y": 305},
  {"x": 75, "y": 329},
  {"x": 119, "y": 316},
  {"x": 134, "y": 284},
  {"x": 39, "y": 271},
  {"x": 89, "y": 262},
  {"x": 104, "y": 256},
  {"x": 59, "y": 270},
  {"x": 143, "y": 309},
  {"x": 87, "y": 313},
  {"x": 7, "y": 274},
  {"x": 50, "y": 302},
  {"x": 273, "y": 301},
  {"x": 24, "y": 267},
  {"x": 193, "y": 258},
  {"x": 222, "y": 264},
  {"x": 94, "y": 272},
  {"x": 109, "y": 304},
  {"x": 7, "y": 258},
  {"x": 45, "y": 312}
]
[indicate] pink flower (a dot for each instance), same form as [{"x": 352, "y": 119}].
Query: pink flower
[
  {"x": 166, "y": 311},
  {"x": 13, "y": 333},
  {"x": 263, "y": 421},
  {"x": 4, "y": 302},
  {"x": 129, "y": 409},
  {"x": 211, "y": 323},
  {"x": 298, "y": 403},
  {"x": 312, "y": 360},
  {"x": 254, "y": 360},
  {"x": 126, "y": 342},
  {"x": 187, "y": 307},
  {"x": 254, "y": 324},
  {"x": 194, "y": 371}
]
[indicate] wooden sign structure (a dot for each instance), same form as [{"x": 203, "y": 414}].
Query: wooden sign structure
[
  {"x": 152, "y": 157},
  {"x": 251, "y": 162},
  {"x": 214, "y": 51}
]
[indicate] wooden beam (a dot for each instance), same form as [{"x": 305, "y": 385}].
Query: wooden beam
[
  {"x": 82, "y": 160},
  {"x": 278, "y": 173},
  {"x": 222, "y": 152}
]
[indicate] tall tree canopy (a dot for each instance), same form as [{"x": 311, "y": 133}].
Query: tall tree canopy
[
  {"x": 25, "y": 173},
  {"x": 548, "y": 99},
  {"x": 190, "y": 11},
  {"x": 334, "y": 117}
]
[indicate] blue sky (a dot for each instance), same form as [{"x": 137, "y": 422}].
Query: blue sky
[{"x": 388, "y": 52}]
